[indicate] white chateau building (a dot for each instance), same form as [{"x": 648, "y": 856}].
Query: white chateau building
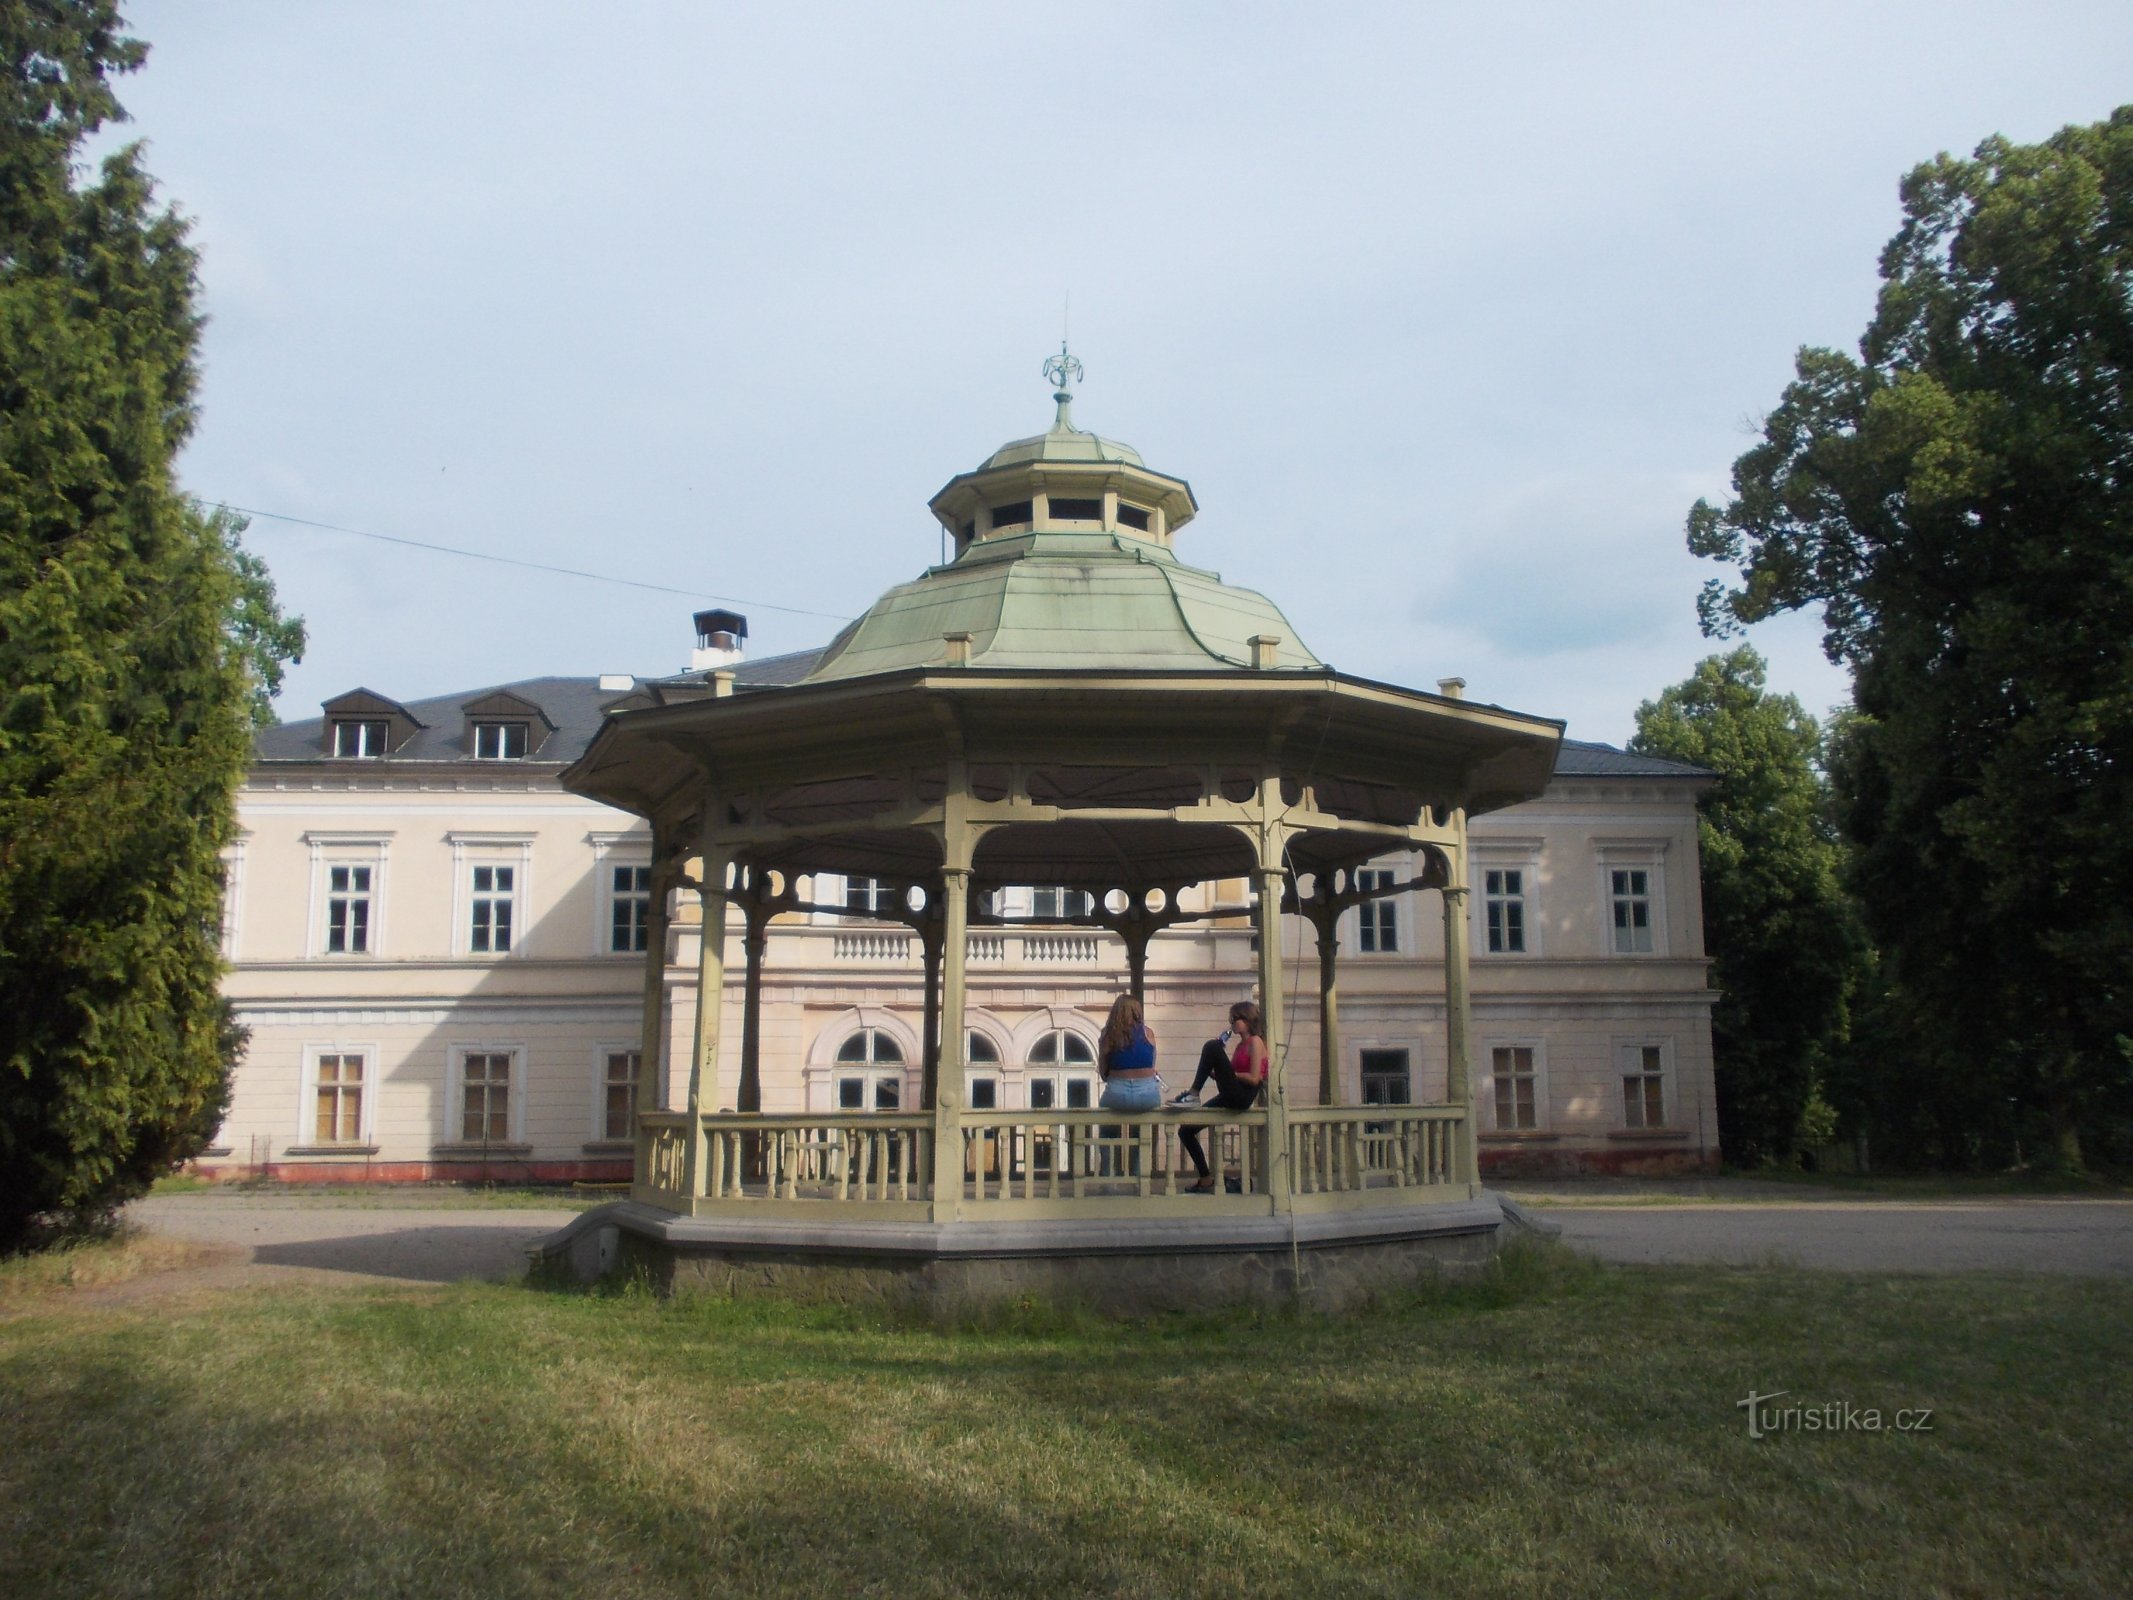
[{"x": 441, "y": 955}]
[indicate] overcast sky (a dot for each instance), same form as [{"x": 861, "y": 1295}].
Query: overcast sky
[{"x": 1448, "y": 313}]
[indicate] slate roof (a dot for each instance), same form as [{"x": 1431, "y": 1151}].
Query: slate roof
[{"x": 576, "y": 706}]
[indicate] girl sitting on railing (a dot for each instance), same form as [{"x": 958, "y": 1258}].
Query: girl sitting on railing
[
  {"x": 1125, "y": 1056},
  {"x": 1239, "y": 1072}
]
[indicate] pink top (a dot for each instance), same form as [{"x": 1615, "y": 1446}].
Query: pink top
[{"x": 1241, "y": 1058}]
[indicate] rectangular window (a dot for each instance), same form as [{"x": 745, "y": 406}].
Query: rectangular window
[
  {"x": 347, "y": 911},
  {"x": 1512, "y": 1067},
  {"x": 1065, "y": 510},
  {"x": 868, "y": 897},
  {"x": 618, "y": 1094},
  {"x": 339, "y": 1104},
  {"x": 1630, "y": 889},
  {"x": 1011, "y": 515},
  {"x": 1385, "y": 1080},
  {"x": 485, "y": 1096},
  {"x": 1503, "y": 895},
  {"x": 1056, "y": 902},
  {"x": 984, "y": 1094},
  {"x": 1377, "y": 921},
  {"x": 630, "y": 918},
  {"x": 1132, "y": 517},
  {"x": 499, "y": 741},
  {"x": 490, "y": 932},
  {"x": 1643, "y": 1086},
  {"x": 361, "y": 741}
]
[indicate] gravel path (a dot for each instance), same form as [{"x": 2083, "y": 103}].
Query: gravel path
[
  {"x": 2082, "y": 1237},
  {"x": 387, "y": 1239}
]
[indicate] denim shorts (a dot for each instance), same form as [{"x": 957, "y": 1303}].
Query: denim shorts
[{"x": 1131, "y": 1094}]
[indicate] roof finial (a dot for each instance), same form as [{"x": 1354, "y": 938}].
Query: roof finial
[{"x": 1062, "y": 370}]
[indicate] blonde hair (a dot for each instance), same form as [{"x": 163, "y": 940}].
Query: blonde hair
[{"x": 1118, "y": 1028}]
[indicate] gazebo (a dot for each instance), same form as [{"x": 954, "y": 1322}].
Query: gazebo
[{"x": 1064, "y": 702}]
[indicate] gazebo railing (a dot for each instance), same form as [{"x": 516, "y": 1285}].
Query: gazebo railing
[
  {"x": 1053, "y": 1156},
  {"x": 1352, "y": 1149},
  {"x": 1050, "y": 1162}
]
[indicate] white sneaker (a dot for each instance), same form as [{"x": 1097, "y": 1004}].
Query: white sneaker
[{"x": 1188, "y": 1098}]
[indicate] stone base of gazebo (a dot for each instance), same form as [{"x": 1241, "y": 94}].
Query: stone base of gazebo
[{"x": 1328, "y": 1260}]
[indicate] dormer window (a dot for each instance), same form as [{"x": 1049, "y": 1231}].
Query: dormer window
[
  {"x": 1064, "y": 510},
  {"x": 1132, "y": 517},
  {"x": 499, "y": 741},
  {"x": 1014, "y": 513},
  {"x": 359, "y": 741}
]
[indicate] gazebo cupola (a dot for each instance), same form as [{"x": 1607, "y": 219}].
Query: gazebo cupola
[
  {"x": 1063, "y": 481},
  {"x": 1064, "y": 561}
]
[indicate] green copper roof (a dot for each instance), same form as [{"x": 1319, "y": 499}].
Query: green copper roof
[
  {"x": 1064, "y": 600},
  {"x": 1064, "y": 442}
]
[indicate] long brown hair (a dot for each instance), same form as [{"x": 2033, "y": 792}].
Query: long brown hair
[
  {"x": 1118, "y": 1030},
  {"x": 1246, "y": 1012}
]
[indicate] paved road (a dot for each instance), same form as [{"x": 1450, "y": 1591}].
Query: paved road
[
  {"x": 2085, "y": 1237},
  {"x": 268, "y": 1238}
]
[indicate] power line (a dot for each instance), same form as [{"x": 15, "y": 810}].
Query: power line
[{"x": 531, "y": 566}]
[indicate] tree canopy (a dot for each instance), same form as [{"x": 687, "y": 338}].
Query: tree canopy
[
  {"x": 137, "y": 642},
  {"x": 1957, "y": 499},
  {"x": 1784, "y": 939}
]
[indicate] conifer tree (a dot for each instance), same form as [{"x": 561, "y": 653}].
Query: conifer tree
[{"x": 137, "y": 640}]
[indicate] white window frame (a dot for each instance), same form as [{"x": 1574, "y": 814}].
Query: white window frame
[
  {"x": 1538, "y": 1048},
  {"x": 455, "y": 1108},
  {"x": 612, "y": 850},
  {"x": 1522, "y": 856},
  {"x": 1062, "y": 1072},
  {"x": 879, "y": 893},
  {"x": 1376, "y": 917},
  {"x": 1633, "y": 855},
  {"x": 1409, "y": 1048},
  {"x": 363, "y": 739},
  {"x": 1669, "y": 1084},
  {"x": 233, "y": 895},
  {"x": 502, "y": 728},
  {"x": 471, "y": 850},
  {"x": 601, "y": 1083},
  {"x": 330, "y": 850},
  {"x": 307, "y": 1101},
  {"x": 993, "y": 1071},
  {"x": 872, "y": 1071},
  {"x": 1061, "y": 896}
]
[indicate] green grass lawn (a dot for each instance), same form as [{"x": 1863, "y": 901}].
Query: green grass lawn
[{"x": 1559, "y": 1428}]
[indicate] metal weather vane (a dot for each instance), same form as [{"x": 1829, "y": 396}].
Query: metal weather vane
[{"x": 1061, "y": 371}]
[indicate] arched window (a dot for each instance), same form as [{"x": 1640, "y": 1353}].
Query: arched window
[
  {"x": 982, "y": 1081},
  {"x": 870, "y": 1073},
  {"x": 1062, "y": 1071}
]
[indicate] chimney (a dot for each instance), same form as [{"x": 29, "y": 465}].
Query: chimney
[
  {"x": 1452, "y": 688},
  {"x": 720, "y": 640}
]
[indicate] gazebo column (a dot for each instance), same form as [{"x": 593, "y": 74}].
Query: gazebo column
[
  {"x": 1136, "y": 933},
  {"x": 755, "y": 942},
  {"x": 929, "y": 944},
  {"x": 710, "y": 999},
  {"x": 1325, "y": 923},
  {"x": 1458, "y": 1026},
  {"x": 651, "y": 1048},
  {"x": 1270, "y": 878},
  {"x": 959, "y": 844}
]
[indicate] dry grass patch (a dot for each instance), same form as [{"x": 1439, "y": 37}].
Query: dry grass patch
[{"x": 50, "y": 1276}]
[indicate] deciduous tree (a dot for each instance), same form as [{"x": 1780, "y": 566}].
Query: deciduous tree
[
  {"x": 1784, "y": 938},
  {"x": 1957, "y": 501},
  {"x": 136, "y": 640}
]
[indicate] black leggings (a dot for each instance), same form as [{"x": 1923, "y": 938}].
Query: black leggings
[{"x": 1232, "y": 1093}]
